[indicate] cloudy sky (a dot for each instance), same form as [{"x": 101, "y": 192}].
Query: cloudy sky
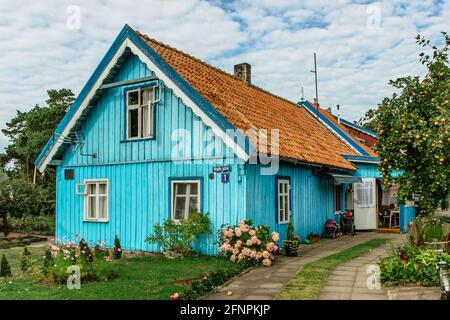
[{"x": 360, "y": 44}]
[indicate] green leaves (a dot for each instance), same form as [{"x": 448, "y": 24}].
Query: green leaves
[
  {"x": 179, "y": 235},
  {"x": 414, "y": 130}
]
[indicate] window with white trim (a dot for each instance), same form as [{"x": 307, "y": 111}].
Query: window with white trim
[
  {"x": 364, "y": 194},
  {"x": 96, "y": 200},
  {"x": 283, "y": 200},
  {"x": 140, "y": 104},
  {"x": 185, "y": 198}
]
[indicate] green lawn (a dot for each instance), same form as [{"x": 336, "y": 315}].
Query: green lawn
[
  {"x": 140, "y": 277},
  {"x": 307, "y": 284}
]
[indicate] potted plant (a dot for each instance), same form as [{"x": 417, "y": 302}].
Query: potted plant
[{"x": 290, "y": 245}]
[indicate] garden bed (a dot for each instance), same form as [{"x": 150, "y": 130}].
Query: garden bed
[
  {"x": 19, "y": 240},
  {"x": 140, "y": 276}
]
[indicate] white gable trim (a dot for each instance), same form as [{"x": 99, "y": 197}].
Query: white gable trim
[
  {"x": 333, "y": 131},
  {"x": 127, "y": 43}
]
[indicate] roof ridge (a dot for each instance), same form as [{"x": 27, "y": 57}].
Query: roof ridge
[{"x": 212, "y": 67}]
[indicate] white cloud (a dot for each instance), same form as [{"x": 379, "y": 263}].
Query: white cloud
[{"x": 278, "y": 38}]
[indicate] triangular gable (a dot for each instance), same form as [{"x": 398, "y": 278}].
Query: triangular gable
[
  {"x": 335, "y": 129},
  {"x": 127, "y": 38}
]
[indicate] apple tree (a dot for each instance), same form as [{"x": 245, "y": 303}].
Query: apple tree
[{"x": 414, "y": 130}]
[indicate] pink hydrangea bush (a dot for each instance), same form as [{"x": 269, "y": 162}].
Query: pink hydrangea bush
[{"x": 245, "y": 243}]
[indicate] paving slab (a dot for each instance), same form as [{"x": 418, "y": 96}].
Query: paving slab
[
  {"x": 350, "y": 279},
  {"x": 285, "y": 268}
]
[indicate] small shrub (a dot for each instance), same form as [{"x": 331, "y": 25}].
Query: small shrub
[
  {"x": 31, "y": 223},
  {"x": 85, "y": 252},
  {"x": 48, "y": 262},
  {"x": 5, "y": 269},
  {"x": 100, "y": 252},
  {"x": 117, "y": 254},
  {"x": 410, "y": 265},
  {"x": 25, "y": 262},
  {"x": 245, "y": 243},
  {"x": 210, "y": 281},
  {"x": 180, "y": 235}
]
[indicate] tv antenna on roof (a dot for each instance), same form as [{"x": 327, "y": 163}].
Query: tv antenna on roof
[
  {"x": 303, "y": 94},
  {"x": 316, "y": 99}
]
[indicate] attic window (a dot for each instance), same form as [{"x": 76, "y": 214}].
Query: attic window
[{"x": 140, "y": 104}]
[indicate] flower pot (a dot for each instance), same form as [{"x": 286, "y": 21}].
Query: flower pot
[{"x": 290, "y": 247}]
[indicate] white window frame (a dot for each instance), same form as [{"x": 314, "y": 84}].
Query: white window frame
[
  {"x": 188, "y": 196},
  {"x": 97, "y": 195},
  {"x": 281, "y": 181},
  {"x": 364, "y": 194},
  {"x": 139, "y": 107}
]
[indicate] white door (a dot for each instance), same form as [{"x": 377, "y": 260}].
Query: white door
[{"x": 365, "y": 204}]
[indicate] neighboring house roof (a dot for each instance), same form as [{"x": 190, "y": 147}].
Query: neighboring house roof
[
  {"x": 369, "y": 137},
  {"x": 342, "y": 131},
  {"x": 218, "y": 97}
]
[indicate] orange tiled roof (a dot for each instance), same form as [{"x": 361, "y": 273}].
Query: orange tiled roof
[
  {"x": 330, "y": 117},
  {"x": 302, "y": 137}
]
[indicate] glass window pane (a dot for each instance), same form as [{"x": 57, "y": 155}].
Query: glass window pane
[
  {"x": 133, "y": 98},
  {"x": 145, "y": 122},
  {"x": 91, "y": 187},
  {"x": 91, "y": 207},
  {"x": 179, "y": 207},
  {"x": 193, "y": 204},
  {"x": 133, "y": 124},
  {"x": 146, "y": 96},
  {"x": 102, "y": 207},
  {"x": 194, "y": 189},
  {"x": 102, "y": 188},
  {"x": 180, "y": 188}
]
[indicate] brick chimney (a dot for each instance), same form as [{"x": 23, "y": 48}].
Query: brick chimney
[{"x": 243, "y": 71}]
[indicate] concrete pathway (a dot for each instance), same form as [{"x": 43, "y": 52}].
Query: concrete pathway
[
  {"x": 262, "y": 283},
  {"x": 349, "y": 282}
]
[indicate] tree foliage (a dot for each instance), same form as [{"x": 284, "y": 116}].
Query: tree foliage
[
  {"x": 414, "y": 126},
  {"x": 28, "y": 132}
]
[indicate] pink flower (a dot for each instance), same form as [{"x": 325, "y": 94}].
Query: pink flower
[
  {"x": 274, "y": 249},
  {"x": 119, "y": 250},
  {"x": 297, "y": 238},
  {"x": 253, "y": 254},
  {"x": 275, "y": 236},
  {"x": 236, "y": 251},
  {"x": 252, "y": 233},
  {"x": 249, "y": 243},
  {"x": 270, "y": 246},
  {"x": 175, "y": 296},
  {"x": 233, "y": 258},
  {"x": 266, "y": 255},
  {"x": 238, "y": 244},
  {"x": 238, "y": 232},
  {"x": 267, "y": 262},
  {"x": 258, "y": 242},
  {"x": 255, "y": 240}
]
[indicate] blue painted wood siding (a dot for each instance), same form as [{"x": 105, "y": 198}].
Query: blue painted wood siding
[
  {"x": 104, "y": 128},
  {"x": 139, "y": 171},
  {"x": 367, "y": 170},
  {"x": 139, "y": 198},
  {"x": 311, "y": 199}
]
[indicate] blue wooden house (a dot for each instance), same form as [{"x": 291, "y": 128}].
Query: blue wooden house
[{"x": 156, "y": 133}]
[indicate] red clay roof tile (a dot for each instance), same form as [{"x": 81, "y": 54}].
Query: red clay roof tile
[{"x": 302, "y": 137}]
